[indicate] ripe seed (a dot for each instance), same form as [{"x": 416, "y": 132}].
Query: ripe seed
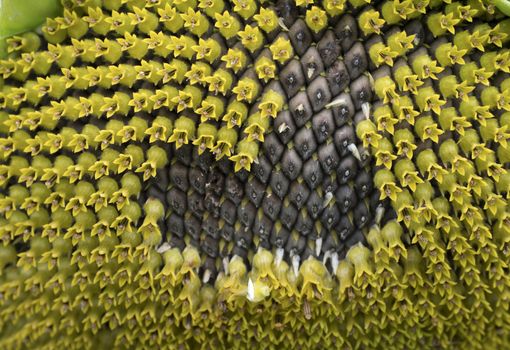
[
  {"x": 311, "y": 63},
  {"x": 301, "y": 107},
  {"x": 312, "y": 173},
  {"x": 346, "y": 31},
  {"x": 300, "y": 36},
  {"x": 279, "y": 183},
  {"x": 292, "y": 78},
  {"x": 328, "y": 48},
  {"x": 304, "y": 143},
  {"x": 298, "y": 194},
  {"x": 337, "y": 77},
  {"x": 346, "y": 198}
]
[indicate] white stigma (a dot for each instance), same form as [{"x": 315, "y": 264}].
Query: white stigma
[
  {"x": 279, "y": 256},
  {"x": 295, "y": 264},
  {"x": 282, "y": 24},
  {"x": 365, "y": 107},
  {"x": 225, "y": 265},
  {"x": 163, "y": 248},
  {"x": 251, "y": 291},
  {"x": 310, "y": 72},
  {"x": 326, "y": 257},
  {"x": 327, "y": 199},
  {"x": 318, "y": 246},
  {"x": 282, "y": 128},
  {"x": 334, "y": 262},
  {"x": 379, "y": 213},
  {"x": 337, "y": 102},
  {"x": 354, "y": 150},
  {"x": 207, "y": 276}
]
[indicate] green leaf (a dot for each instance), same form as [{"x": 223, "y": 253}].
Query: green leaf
[{"x": 18, "y": 16}]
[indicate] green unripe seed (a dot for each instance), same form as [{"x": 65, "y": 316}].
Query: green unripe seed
[
  {"x": 108, "y": 214},
  {"x": 157, "y": 155},
  {"x": 403, "y": 167},
  {"x": 63, "y": 218},
  {"x": 489, "y": 97},
  {"x": 84, "y": 189},
  {"x": 107, "y": 185},
  {"x": 448, "y": 151},
  {"x": 132, "y": 210},
  {"x": 40, "y": 217},
  {"x": 382, "y": 177},
  {"x": 18, "y": 194},
  {"x": 18, "y": 217},
  {"x": 65, "y": 188},
  {"x": 7, "y": 256},
  {"x": 153, "y": 208},
  {"x": 425, "y": 159},
  {"x": 131, "y": 238},
  {"x": 132, "y": 183},
  {"x": 39, "y": 245},
  {"x": 86, "y": 219},
  {"x": 62, "y": 246}
]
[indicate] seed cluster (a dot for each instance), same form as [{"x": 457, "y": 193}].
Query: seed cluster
[
  {"x": 310, "y": 192},
  {"x": 224, "y": 174}
]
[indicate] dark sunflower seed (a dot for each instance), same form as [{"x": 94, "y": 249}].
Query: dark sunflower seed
[
  {"x": 312, "y": 64},
  {"x": 301, "y": 108},
  {"x": 347, "y": 169},
  {"x": 323, "y": 125},
  {"x": 292, "y": 78},
  {"x": 255, "y": 190},
  {"x": 298, "y": 194},
  {"x": 279, "y": 183},
  {"x": 318, "y": 93},
  {"x": 291, "y": 164},
  {"x": 328, "y": 158},
  {"x": 328, "y": 48},
  {"x": 288, "y": 215},
  {"x": 346, "y": 198},
  {"x": 246, "y": 213},
  {"x": 312, "y": 173},
  {"x": 179, "y": 176},
  {"x": 305, "y": 143},
  {"x": 175, "y": 225},
  {"x": 271, "y": 206},
  {"x": 314, "y": 205},
  {"x": 337, "y": 77},
  {"x": 176, "y": 199},
  {"x": 273, "y": 148},
  {"x": 284, "y": 126}
]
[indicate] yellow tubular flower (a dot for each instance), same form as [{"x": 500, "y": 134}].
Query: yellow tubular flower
[
  {"x": 184, "y": 131},
  {"x": 227, "y": 24},
  {"x": 226, "y": 139},
  {"x": 255, "y": 127},
  {"x": 265, "y": 68},
  {"x": 171, "y": 18},
  {"x": 267, "y": 19},
  {"x": 271, "y": 103},
  {"x": 282, "y": 50},
  {"x": 370, "y": 22},
  {"x": 195, "y": 21},
  {"x": 206, "y": 136},
  {"x": 235, "y": 59},
  {"x": 316, "y": 19},
  {"x": 246, "y": 90},
  {"x": 246, "y": 153},
  {"x": 251, "y": 38}
]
